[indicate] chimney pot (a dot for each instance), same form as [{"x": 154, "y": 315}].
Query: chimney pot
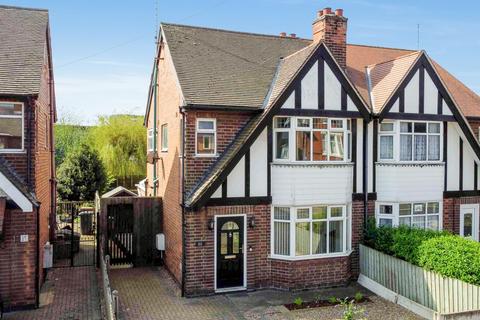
[
  {"x": 283, "y": 34},
  {"x": 319, "y": 13},
  {"x": 293, "y": 35},
  {"x": 327, "y": 11},
  {"x": 339, "y": 12}
]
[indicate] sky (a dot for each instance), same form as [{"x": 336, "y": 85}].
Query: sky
[{"x": 103, "y": 50}]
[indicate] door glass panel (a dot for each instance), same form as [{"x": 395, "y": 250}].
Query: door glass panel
[
  {"x": 230, "y": 225},
  {"x": 224, "y": 243},
  {"x": 236, "y": 243},
  {"x": 467, "y": 224}
]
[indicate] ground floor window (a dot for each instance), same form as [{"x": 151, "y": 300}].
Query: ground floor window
[
  {"x": 310, "y": 231},
  {"x": 419, "y": 214}
]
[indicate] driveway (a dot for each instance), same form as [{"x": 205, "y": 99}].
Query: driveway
[
  {"x": 150, "y": 293},
  {"x": 67, "y": 294}
]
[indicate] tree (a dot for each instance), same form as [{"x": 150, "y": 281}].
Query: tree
[
  {"x": 68, "y": 137},
  {"x": 81, "y": 174},
  {"x": 120, "y": 141}
]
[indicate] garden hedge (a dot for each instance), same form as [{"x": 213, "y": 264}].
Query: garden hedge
[{"x": 438, "y": 251}]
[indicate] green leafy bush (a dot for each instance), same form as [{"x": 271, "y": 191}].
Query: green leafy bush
[
  {"x": 451, "y": 256},
  {"x": 438, "y": 251}
]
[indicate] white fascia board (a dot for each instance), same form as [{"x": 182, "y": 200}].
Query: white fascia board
[{"x": 16, "y": 195}]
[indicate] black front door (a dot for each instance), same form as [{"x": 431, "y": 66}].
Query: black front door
[{"x": 230, "y": 252}]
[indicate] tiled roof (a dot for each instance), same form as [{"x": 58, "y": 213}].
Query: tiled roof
[
  {"x": 227, "y": 68},
  {"x": 385, "y": 77},
  {"x": 287, "y": 70},
  {"x": 23, "y": 34}
]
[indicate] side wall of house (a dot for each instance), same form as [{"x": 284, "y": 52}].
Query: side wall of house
[
  {"x": 17, "y": 259},
  {"x": 168, "y": 162}
]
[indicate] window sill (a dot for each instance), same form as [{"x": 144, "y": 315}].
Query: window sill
[
  {"x": 410, "y": 163},
  {"x": 313, "y": 164},
  {"x": 12, "y": 151},
  {"x": 314, "y": 257},
  {"x": 206, "y": 156}
]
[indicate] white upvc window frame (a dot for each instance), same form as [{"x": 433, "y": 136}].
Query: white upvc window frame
[
  {"x": 164, "y": 137},
  {"x": 22, "y": 117},
  {"x": 386, "y": 133},
  {"x": 292, "y": 139},
  {"x": 347, "y": 229},
  {"x": 210, "y": 131},
  {"x": 396, "y": 141},
  {"x": 150, "y": 138},
  {"x": 395, "y": 216}
]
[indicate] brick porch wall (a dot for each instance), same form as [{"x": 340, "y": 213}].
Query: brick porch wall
[
  {"x": 451, "y": 212},
  {"x": 17, "y": 260},
  {"x": 262, "y": 271}
]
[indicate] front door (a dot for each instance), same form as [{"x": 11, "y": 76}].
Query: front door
[
  {"x": 230, "y": 259},
  {"x": 469, "y": 221}
]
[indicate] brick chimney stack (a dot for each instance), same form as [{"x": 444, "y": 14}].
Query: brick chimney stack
[{"x": 331, "y": 27}]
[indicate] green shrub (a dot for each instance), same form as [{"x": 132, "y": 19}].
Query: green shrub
[
  {"x": 298, "y": 301},
  {"x": 451, "y": 256}
]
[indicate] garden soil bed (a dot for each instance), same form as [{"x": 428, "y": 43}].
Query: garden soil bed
[{"x": 320, "y": 304}]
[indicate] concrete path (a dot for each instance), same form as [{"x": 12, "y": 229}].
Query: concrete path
[
  {"x": 67, "y": 294},
  {"x": 150, "y": 293}
]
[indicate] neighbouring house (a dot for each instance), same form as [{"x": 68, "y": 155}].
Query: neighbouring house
[
  {"x": 269, "y": 152},
  {"x": 27, "y": 168}
]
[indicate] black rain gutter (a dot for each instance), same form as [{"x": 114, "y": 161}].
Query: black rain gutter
[{"x": 184, "y": 256}]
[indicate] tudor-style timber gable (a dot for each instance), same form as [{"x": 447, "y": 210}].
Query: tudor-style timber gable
[
  {"x": 316, "y": 88},
  {"x": 450, "y": 166}
]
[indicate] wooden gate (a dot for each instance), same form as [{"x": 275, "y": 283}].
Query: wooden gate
[{"x": 120, "y": 238}]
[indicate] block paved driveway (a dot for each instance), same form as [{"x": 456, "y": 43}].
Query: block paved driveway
[
  {"x": 150, "y": 293},
  {"x": 67, "y": 294}
]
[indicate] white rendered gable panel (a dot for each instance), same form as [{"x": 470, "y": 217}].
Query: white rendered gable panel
[
  {"x": 412, "y": 95},
  {"x": 445, "y": 109},
  {"x": 350, "y": 105},
  {"x": 430, "y": 96},
  {"x": 453, "y": 166},
  {"x": 395, "y": 106},
  {"x": 333, "y": 90},
  {"x": 258, "y": 166},
  {"x": 290, "y": 102},
  {"x": 468, "y": 167},
  {"x": 310, "y": 88},
  {"x": 217, "y": 193},
  {"x": 236, "y": 180}
]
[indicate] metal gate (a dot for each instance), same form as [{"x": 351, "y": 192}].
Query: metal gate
[
  {"x": 120, "y": 239},
  {"x": 75, "y": 240}
]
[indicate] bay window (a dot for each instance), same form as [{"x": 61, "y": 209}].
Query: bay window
[
  {"x": 306, "y": 139},
  {"x": 302, "y": 232},
  {"x": 423, "y": 215},
  {"x": 11, "y": 126},
  {"x": 413, "y": 141}
]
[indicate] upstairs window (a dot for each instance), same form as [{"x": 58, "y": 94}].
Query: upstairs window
[
  {"x": 11, "y": 126},
  {"x": 150, "y": 140},
  {"x": 409, "y": 141},
  {"x": 300, "y": 139},
  {"x": 206, "y": 137},
  {"x": 164, "y": 137}
]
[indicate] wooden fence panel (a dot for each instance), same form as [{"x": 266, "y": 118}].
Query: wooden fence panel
[{"x": 444, "y": 295}]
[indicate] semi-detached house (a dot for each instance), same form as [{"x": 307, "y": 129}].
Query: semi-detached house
[{"x": 270, "y": 151}]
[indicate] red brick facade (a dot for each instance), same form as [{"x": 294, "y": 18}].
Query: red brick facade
[
  {"x": 35, "y": 167},
  {"x": 451, "y": 212},
  {"x": 263, "y": 271}
]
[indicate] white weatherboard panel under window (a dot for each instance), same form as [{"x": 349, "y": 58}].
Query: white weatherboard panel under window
[
  {"x": 359, "y": 155},
  {"x": 430, "y": 95},
  {"x": 411, "y": 95},
  {"x": 236, "y": 180},
  {"x": 308, "y": 185},
  {"x": 333, "y": 90},
  {"x": 258, "y": 166},
  {"x": 452, "y": 157},
  {"x": 409, "y": 183},
  {"x": 290, "y": 102},
  {"x": 350, "y": 105},
  {"x": 310, "y": 88},
  {"x": 217, "y": 193}
]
